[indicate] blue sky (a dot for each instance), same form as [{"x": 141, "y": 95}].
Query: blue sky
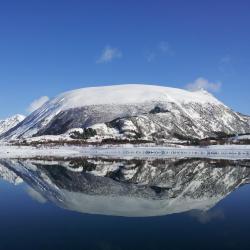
[{"x": 51, "y": 46}]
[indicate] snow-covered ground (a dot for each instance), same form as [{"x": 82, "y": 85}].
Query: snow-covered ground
[
  {"x": 240, "y": 137},
  {"x": 126, "y": 151}
]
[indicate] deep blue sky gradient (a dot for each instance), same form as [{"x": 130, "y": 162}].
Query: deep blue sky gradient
[{"x": 50, "y": 46}]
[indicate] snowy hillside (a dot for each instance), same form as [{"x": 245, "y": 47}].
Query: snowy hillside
[
  {"x": 247, "y": 117},
  {"x": 135, "y": 112},
  {"x": 10, "y": 122}
]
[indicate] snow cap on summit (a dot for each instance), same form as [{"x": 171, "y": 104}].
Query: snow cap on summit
[{"x": 128, "y": 94}]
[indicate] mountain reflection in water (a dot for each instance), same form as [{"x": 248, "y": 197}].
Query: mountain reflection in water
[{"x": 130, "y": 188}]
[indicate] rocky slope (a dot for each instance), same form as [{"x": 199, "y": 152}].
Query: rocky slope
[{"x": 144, "y": 112}]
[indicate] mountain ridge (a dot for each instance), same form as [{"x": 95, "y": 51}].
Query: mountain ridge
[{"x": 133, "y": 111}]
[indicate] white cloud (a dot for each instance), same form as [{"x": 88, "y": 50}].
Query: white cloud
[
  {"x": 109, "y": 54},
  {"x": 37, "y": 104},
  {"x": 202, "y": 83}
]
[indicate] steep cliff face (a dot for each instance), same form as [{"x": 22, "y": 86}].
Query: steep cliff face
[{"x": 137, "y": 111}]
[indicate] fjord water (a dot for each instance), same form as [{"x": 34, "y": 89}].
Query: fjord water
[{"x": 124, "y": 204}]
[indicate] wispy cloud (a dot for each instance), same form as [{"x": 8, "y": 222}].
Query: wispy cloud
[
  {"x": 225, "y": 59},
  {"x": 150, "y": 56},
  {"x": 225, "y": 64},
  {"x": 36, "y": 104},
  {"x": 203, "y": 83},
  {"x": 109, "y": 54},
  {"x": 163, "y": 48}
]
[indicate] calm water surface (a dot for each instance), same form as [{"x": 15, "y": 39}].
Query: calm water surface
[{"x": 124, "y": 204}]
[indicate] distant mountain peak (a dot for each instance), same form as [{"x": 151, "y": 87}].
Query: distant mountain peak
[{"x": 10, "y": 122}]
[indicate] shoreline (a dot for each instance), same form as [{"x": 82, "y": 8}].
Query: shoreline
[{"x": 234, "y": 152}]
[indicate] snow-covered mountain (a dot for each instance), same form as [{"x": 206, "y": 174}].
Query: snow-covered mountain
[
  {"x": 133, "y": 188},
  {"x": 133, "y": 111},
  {"x": 10, "y": 122},
  {"x": 247, "y": 117}
]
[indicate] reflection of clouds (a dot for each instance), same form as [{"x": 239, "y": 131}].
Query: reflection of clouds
[
  {"x": 35, "y": 195},
  {"x": 207, "y": 216}
]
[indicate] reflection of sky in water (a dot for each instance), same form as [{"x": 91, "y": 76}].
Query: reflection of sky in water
[{"x": 28, "y": 220}]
